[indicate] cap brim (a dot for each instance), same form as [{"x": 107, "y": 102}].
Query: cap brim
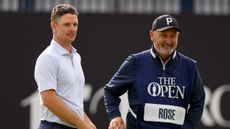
[{"x": 168, "y": 27}]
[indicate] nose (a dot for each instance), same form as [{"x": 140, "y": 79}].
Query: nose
[
  {"x": 73, "y": 28},
  {"x": 168, "y": 40}
]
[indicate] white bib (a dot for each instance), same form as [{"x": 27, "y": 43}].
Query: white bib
[{"x": 164, "y": 113}]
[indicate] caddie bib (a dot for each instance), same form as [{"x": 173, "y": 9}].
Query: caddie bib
[{"x": 162, "y": 92}]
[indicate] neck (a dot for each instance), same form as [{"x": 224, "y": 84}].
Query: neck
[
  {"x": 65, "y": 45},
  {"x": 165, "y": 59}
]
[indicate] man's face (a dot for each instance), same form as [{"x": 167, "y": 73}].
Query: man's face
[
  {"x": 165, "y": 42},
  {"x": 65, "y": 28}
]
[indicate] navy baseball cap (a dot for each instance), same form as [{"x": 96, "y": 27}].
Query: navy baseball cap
[{"x": 164, "y": 22}]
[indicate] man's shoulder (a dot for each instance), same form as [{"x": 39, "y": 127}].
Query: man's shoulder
[
  {"x": 186, "y": 58},
  {"x": 137, "y": 55},
  {"x": 141, "y": 53},
  {"x": 48, "y": 53}
]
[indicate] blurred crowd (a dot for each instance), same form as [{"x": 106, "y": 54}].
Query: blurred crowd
[{"x": 197, "y": 7}]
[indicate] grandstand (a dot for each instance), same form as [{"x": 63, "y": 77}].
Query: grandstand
[{"x": 197, "y": 7}]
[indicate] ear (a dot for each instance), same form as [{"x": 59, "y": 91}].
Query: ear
[
  {"x": 53, "y": 26},
  {"x": 151, "y": 35}
]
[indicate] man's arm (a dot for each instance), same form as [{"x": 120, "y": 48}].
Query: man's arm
[
  {"x": 196, "y": 102},
  {"x": 118, "y": 85},
  {"x": 89, "y": 122},
  {"x": 60, "y": 109}
]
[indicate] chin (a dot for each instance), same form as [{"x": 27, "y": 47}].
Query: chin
[
  {"x": 166, "y": 53},
  {"x": 72, "y": 40}
]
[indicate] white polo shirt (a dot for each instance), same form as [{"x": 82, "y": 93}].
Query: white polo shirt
[{"x": 60, "y": 70}]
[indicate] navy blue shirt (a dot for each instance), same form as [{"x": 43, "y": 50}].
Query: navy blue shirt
[{"x": 136, "y": 69}]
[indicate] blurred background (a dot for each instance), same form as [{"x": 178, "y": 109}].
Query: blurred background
[
  {"x": 197, "y": 7},
  {"x": 109, "y": 31}
]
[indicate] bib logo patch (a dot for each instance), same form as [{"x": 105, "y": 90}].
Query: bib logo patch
[{"x": 166, "y": 87}]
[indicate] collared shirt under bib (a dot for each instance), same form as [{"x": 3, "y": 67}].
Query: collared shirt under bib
[{"x": 60, "y": 70}]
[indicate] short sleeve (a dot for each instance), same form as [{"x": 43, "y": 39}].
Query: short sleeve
[{"x": 45, "y": 73}]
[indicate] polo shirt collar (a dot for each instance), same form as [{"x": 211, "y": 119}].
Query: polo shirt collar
[{"x": 60, "y": 49}]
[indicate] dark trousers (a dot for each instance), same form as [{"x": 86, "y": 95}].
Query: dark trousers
[{"x": 52, "y": 125}]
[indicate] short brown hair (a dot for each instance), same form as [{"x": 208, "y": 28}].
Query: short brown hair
[{"x": 61, "y": 10}]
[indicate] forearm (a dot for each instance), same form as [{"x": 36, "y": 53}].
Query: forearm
[
  {"x": 197, "y": 100},
  {"x": 88, "y": 121},
  {"x": 86, "y": 118},
  {"x": 123, "y": 80},
  {"x": 60, "y": 109},
  {"x": 193, "y": 117},
  {"x": 194, "y": 113},
  {"x": 111, "y": 104}
]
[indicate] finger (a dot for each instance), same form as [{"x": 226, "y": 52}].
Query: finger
[
  {"x": 110, "y": 127},
  {"x": 120, "y": 125},
  {"x": 113, "y": 125}
]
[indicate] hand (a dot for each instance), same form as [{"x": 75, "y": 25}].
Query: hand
[{"x": 116, "y": 123}]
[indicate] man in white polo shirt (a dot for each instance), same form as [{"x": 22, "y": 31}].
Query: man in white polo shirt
[{"x": 59, "y": 75}]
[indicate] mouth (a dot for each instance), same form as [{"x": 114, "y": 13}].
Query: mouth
[
  {"x": 71, "y": 35},
  {"x": 167, "y": 46}
]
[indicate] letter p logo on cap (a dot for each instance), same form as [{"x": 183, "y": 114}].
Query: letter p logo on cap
[{"x": 169, "y": 20}]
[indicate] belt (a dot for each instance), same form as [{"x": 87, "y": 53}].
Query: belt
[{"x": 44, "y": 122}]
